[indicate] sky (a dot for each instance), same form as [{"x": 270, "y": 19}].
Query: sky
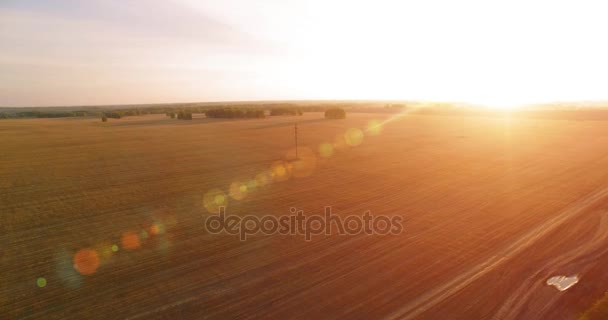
[{"x": 498, "y": 53}]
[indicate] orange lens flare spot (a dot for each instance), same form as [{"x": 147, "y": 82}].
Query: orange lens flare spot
[
  {"x": 86, "y": 261},
  {"x": 130, "y": 241},
  {"x": 156, "y": 229},
  {"x": 281, "y": 171},
  {"x": 238, "y": 190},
  {"x": 353, "y": 137}
]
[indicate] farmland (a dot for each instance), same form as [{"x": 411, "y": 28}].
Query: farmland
[{"x": 491, "y": 208}]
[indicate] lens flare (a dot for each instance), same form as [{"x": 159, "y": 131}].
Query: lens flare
[
  {"x": 340, "y": 143},
  {"x": 164, "y": 245},
  {"x": 251, "y": 185},
  {"x": 156, "y": 229},
  {"x": 214, "y": 199},
  {"x": 305, "y": 162},
  {"x": 237, "y": 190},
  {"x": 326, "y": 150},
  {"x": 374, "y": 127},
  {"x": 41, "y": 282},
  {"x": 130, "y": 240},
  {"x": 66, "y": 273},
  {"x": 353, "y": 137},
  {"x": 262, "y": 179},
  {"x": 86, "y": 261},
  {"x": 280, "y": 171},
  {"x": 105, "y": 251}
]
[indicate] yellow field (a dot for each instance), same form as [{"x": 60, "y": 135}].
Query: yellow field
[{"x": 491, "y": 208}]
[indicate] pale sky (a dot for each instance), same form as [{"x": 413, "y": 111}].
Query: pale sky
[{"x": 75, "y": 52}]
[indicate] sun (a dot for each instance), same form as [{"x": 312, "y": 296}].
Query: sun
[{"x": 502, "y": 104}]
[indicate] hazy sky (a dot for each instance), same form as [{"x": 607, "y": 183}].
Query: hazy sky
[{"x": 73, "y": 52}]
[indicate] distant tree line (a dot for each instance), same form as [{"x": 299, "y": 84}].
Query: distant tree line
[
  {"x": 286, "y": 111},
  {"x": 133, "y": 112},
  {"x": 184, "y": 115},
  {"x": 44, "y": 114},
  {"x": 335, "y": 113},
  {"x": 235, "y": 113},
  {"x": 113, "y": 114},
  {"x": 227, "y": 110}
]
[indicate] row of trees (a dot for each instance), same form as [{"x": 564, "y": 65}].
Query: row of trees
[
  {"x": 184, "y": 115},
  {"x": 181, "y": 115},
  {"x": 113, "y": 114},
  {"x": 117, "y": 114},
  {"x": 335, "y": 113},
  {"x": 286, "y": 112},
  {"x": 241, "y": 110},
  {"x": 235, "y": 113},
  {"x": 66, "y": 112},
  {"x": 44, "y": 114}
]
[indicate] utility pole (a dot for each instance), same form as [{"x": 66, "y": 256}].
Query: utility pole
[{"x": 295, "y": 127}]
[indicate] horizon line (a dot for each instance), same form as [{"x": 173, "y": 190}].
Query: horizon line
[{"x": 575, "y": 102}]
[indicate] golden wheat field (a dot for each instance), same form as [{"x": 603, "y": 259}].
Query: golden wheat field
[{"x": 107, "y": 220}]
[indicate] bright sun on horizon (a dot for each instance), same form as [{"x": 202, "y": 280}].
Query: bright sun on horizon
[
  {"x": 499, "y": 54},
  {"x": 502, "y": 105}
]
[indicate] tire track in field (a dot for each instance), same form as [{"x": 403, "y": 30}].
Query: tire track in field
[
  {"x": 577, "y": 258},
  {"x": 439, "y": 294}
]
